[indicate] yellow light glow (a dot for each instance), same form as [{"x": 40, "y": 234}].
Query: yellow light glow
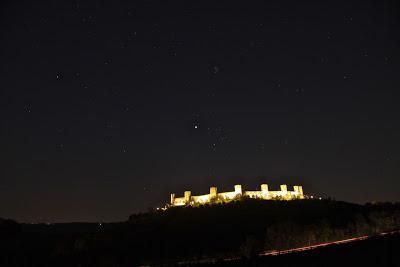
[{"x": 223, "y": 197}]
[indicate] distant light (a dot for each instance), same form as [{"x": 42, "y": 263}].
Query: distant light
[{"x": 196, "y": 126}]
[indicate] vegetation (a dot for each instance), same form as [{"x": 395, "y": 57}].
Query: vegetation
[
  {"x": 239, "y": 228},
  {"x": 378, "y": 251}
]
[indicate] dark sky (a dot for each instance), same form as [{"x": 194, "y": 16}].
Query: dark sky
[{"x": 108, "y": 108}]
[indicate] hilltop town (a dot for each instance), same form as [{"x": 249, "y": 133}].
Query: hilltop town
[{"x": 215, "y": 197}]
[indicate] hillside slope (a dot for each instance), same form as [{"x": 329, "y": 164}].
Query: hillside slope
[{"x": 241, "y": 228}]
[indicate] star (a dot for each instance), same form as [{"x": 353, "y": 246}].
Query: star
[{"x": 215, "y": 69}]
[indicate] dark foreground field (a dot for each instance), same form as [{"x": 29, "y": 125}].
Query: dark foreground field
[
  {"x": 378, "y": 251},
  {"x": 240, "y": 229}
]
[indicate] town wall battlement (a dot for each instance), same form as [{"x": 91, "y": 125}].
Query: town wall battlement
[{"x": 264, "y": 193}]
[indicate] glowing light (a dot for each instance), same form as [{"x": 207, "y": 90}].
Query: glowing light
[{"x": 223, "y": 197}]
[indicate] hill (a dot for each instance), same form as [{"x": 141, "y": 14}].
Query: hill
[{"x": 241, "y": 228}]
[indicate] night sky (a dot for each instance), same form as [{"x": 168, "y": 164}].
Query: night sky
[{"x": 106, "y": 109}]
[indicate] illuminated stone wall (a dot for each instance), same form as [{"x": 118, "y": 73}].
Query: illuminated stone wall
[{"x": 215, "y": 197}]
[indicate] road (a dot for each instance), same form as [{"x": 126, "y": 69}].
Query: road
[
  {"x": 343, "y": 241},
  {"x": 293, "y": 250}
]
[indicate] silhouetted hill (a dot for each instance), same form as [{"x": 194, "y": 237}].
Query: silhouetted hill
[{"x": 242, "y": 228}]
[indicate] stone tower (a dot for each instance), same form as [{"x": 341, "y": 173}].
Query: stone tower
[{"x": 238, "y": 189}]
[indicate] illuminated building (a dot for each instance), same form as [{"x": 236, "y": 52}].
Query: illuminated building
[{"x": 215, "y": 197}]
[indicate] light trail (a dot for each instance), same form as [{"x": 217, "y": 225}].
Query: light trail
[
  {"x": 293, "y": 250},
  {"x": 286, "y": 251},
  {"x": 343, "y": 241}
]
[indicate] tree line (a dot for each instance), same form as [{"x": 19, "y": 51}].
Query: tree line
[{"x": 239, "y": 228}]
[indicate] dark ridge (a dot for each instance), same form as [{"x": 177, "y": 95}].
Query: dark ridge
[{"x": 237, "y": 229}]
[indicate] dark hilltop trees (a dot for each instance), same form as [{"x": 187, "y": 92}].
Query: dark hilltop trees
[{"x": 237, "y": 229}]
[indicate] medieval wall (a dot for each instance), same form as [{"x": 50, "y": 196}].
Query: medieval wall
[{"x": 283, "y": 193}]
